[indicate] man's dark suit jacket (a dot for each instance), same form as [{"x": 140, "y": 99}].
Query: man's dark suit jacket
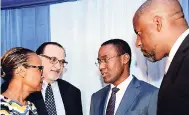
[
  {"x": 173, "y": 97},
  {"x": 71, "y": 97}
]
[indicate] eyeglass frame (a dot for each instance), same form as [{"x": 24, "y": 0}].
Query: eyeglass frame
[
  {"x": 40, "y": 68},
  {"x": 99, "y": 61},
  {"x": 62, "y": 64}
]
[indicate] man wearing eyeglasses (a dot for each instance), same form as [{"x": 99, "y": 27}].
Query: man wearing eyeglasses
[
  {"x": 125, "y": 94},
  {"x": 57, "y": 96}
]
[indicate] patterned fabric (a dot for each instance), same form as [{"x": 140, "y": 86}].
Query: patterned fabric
[
  {"x": 49, "y": 101},
  {"x": 111, "y": 103},
  {"x": 10, "y": 107}
]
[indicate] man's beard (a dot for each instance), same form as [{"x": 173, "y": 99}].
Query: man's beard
[
  {"x": 53, "y": 78},
  {"x": 151, "y": 56}
]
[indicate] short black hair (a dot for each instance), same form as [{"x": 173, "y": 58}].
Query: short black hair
[
  {"x": 41, "y": 48},
  {"x": 121, "y": 46}
]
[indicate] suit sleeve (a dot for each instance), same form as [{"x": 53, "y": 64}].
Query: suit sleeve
[
  {"x": 80, "y": 112},
  {"x": 92, "y": 106},
  {"x": 152, "y": 107}
]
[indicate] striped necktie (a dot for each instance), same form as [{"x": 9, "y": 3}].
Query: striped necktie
[{"x": 111, "y": 104}]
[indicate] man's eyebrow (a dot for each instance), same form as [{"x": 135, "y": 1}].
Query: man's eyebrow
[{"x": 104, "y": 56}]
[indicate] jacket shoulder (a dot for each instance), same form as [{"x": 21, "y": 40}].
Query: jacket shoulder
[
  {"x": 67, "y": 85},
  {"x": 148, "y": 87},
  {"x": 101, "y": 91}
]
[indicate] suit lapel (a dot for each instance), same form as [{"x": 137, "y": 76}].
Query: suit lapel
[
  {"x": 177, "y": 61},
  {"x": 129, "y": 97},
  {"x": 38, "y": 101},
  {"x": 63, "y": 91},
  {"x": 103, "y": 100}
]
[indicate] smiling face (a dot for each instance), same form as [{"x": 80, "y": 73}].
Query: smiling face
[
  {"x": 113, "y": 68},
  {"x": 52, "y": 71}
]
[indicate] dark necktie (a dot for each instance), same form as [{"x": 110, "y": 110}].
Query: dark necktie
[
  {"x": 49, "y": 101},
  {"x": 111, "y": 104}
]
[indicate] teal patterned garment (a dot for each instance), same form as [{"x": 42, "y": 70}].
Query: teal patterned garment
[{"x": 10, "y": 107}]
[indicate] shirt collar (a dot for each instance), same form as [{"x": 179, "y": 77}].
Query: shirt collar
[
  {"x": 45, "y": 84},
  {"x": 123, "y": 85},
  {"x": 177, "y": 44}
]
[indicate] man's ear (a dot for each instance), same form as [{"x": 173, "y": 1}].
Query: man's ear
[
  {"x": 158, "y": 22},
  {"x": 21, "y": 71},
  {"x": 126, "y": 58}
]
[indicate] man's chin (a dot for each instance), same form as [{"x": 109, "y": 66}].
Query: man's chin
[
  {"x": 154, "y": 59},
  {"x": 106, "y": 81},
  {"x": 53, "y": 78},
  {"x": 151, "y": 60}
]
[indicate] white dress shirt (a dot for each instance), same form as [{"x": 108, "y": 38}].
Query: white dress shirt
[
  {"x": 57, "y": 96},
  {"x": 175, "y": 48},
  {"x": 119, "y": 95}
]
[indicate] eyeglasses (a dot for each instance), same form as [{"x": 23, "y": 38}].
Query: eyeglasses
[
  {"x": 106, "y": 60},
  {"x": 33, "y": 66},
  {"x": 54, "y": 60}
]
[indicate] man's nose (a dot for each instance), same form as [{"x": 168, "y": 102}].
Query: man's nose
[
  {"x": 57, "y": 65},
  {"x": 102, "y": 65},
  {"x": 138, "y": 42}
]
